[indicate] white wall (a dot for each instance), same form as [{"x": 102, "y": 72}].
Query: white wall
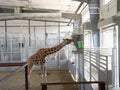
[
  {"x": 108, "y": 10},
  {"x": 19, "y": 30}
]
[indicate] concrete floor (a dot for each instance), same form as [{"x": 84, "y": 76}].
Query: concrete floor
[
  {"x": 16, "y": 82},
  {"x": 114, "y": 88}
]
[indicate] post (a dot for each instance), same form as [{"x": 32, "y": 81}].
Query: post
[
  {"x": 107, "y": 72},
  {"x": 102, "y": 86},
  {"x": 26, "y": 77},
  {"x": 90, "y": 65},
  {"x": 6, "y": 34},
  {"x": 29, "y": 32},
  {"x": 58, "y": 61},
  {"x": 45, "y": 35},
  {"x": 44, "y": 86},
  {"x": 116, "y": 57}
]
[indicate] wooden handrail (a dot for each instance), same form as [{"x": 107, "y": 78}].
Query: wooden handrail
[
  {"x": 100, "y": 83},
  {"x": 11, "y": 64}
]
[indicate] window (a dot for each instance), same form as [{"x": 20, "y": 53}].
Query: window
[
  {"x": 86, "y": 16},
  {"x": 107, "y": 37},
  {"x": 106, "y": 1}
]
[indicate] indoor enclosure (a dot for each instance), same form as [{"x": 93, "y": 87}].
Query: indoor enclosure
[{"x": 90, "y": 61}]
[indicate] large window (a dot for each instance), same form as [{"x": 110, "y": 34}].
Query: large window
[
  {"x": 88, "y": 39},
  {"x": 107, "y": 38}
]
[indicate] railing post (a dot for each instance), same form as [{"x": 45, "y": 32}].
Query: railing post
[
  {"x": 44, "y": 86},
  {"x": 90, "y": 65},
  {"x": 26, "y": 77},
  {"x": 102, "y": 86},
  {"x": 98, "y": 56},
  {"x": 107, "y": 71}
]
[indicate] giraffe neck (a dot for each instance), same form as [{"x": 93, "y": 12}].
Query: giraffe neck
[{"x": 56, "y": 48}]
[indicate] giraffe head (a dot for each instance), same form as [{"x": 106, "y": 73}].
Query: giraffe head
[{"x": 67, "y": 41}]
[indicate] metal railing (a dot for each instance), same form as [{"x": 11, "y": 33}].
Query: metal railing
[
  {"x": 96, "y": 65},
  {"x": 12, "y": 64},
  {"x": 100, "y": 83}
]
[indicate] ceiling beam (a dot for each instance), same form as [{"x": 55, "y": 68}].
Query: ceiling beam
[
  {"x": 32, "y": 19},
  {"x": 75, "y": 12}
]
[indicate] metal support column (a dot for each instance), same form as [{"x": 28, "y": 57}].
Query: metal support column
[
  {"x": 117, "y": 58},
  {"x": 81, "y": 68},
  {"x": 29, "y": 32},
  {"x": 59, "y": 42},
  {"x": 26, "y": 78},
  {"x": 6, "y": 35},
  {"x": 118, "y": 64},
  {"x": 45, "y": 35},
  {"x": 35, "y": 37},
  {"x": 6, "y": 44}
]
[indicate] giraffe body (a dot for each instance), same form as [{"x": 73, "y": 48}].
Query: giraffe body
[{"x": 39, "y": 57}]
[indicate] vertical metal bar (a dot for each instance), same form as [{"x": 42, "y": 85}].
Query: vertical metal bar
[
  {"x": 35, "y": 36},
  {"x": 6, "y": 34},
  {"x": 83, "y": 68},
  {"x": 11, "y": 43},
  {"x": 98, "y": 63},
  {"x": 45, "y": 35},
  {"x": 21, "y": 47},
  {"x": 117, "y": 36},
  {"x": 44, "y": 86},
  {"x": 90, "y": 64},
  {"x": 5, "y": 47},
  {"x": 59, "y": 31},
  {"x": 59, "y": 42},
  {"x": 107, "y": 71},
  {"x": 116, "y": 52},
  {"x": 81, "y": 57},
  {"x": 114, "y": 56},
  {"x": 102, "y": 86},
  {"x": 117, "y": 29},
  {"x": 26, "y": 78},
  {"x": 29, "y": 32}
]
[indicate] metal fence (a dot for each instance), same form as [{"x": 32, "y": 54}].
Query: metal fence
[
  {"x": 13, "y": 80},
  {"x": 92, "y": 65},
  {"x": 97, "y": 65}
]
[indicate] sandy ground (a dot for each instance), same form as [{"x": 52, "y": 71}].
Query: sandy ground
[{"x": 16, "y": 82}]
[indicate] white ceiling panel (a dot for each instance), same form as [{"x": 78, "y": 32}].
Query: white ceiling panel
[
  {"x": 13, "y": 3},
  {"x": 61, "y": 5},
  {"x": 45, "y": 9}
]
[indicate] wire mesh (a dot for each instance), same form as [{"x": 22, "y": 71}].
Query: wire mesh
[
  {"x": 63, "y": 87},
  {"x": 16, "y": 81}
]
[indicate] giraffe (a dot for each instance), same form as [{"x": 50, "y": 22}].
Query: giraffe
[{"x": 40, "y": 56}]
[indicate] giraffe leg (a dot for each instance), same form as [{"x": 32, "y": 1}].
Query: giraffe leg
[
  {"x": 45, "y": 73},
  {"x": 43, "y": 70}
]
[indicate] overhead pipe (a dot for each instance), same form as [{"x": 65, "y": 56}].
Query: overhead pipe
[{"x": 94, "y": 18}]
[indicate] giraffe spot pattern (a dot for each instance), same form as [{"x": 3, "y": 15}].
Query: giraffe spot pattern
[{"x": 39, "y": 57}]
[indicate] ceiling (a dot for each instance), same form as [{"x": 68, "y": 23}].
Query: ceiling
[{"x": 47, "y": 9}]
